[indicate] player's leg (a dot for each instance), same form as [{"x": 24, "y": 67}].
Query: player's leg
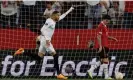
[
  {"x": 105, "y": 62},
  {"x": 42, "y": 46},
  {"x": 92, "y": 68},
  {"x": 37, "y": 42},
  {"x": 41, "y": 51},
  {"x": 38, "y": 56},
  {"x": 52, "y": 51},
  {"x": 34, "y": 56}
]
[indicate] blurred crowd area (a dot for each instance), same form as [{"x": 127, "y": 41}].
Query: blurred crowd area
[{"x": 33, "y": 14}]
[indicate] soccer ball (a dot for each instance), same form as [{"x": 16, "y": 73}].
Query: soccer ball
[
  {"x": 68, "y": 69},
  {"x": 118, "y": 76}
]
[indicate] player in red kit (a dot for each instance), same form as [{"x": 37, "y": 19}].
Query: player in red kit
[{"x": 102, "y": 45}]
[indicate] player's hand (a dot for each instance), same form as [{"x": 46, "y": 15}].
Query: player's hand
[
  {"x": 72, "y": 8},
  {"x": 47, "y": 43},
  {"x": 100, "y": 49},
  {"x": 115, "y": 39},
  {"x": 90, "y": 44}
]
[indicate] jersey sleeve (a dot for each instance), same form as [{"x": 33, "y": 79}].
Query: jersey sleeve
[
  {"x": 62, "y": 16},
  {"x": 66, "y": 13}
]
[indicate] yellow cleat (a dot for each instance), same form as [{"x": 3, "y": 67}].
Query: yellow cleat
[
  {"x": 19, "y": 51},
  {"x": 90, "y": 74},
  {"x": 60, "y": 76}
]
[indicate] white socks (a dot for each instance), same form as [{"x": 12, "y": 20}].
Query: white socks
[
  {"x": 105, "y": 68},
  {"x": 94, "y": 66}
]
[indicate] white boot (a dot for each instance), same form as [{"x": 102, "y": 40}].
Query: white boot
[
  {"x": 106, "y": 73},
  {"x": 93, "y": 67}
]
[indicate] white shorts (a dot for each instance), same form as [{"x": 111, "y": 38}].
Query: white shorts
[{"x": 43, "y": 48}]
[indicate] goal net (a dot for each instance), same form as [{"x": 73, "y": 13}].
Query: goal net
[{"x": 20, "y": 24}]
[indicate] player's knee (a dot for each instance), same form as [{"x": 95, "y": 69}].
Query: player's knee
[
  {"x": 40, "y": 54},
  {"x": 105, "y": 60},
  {"x": 53, "y": 53}
]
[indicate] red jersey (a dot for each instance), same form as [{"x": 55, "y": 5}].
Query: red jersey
[{"x": 103, "y": 31}]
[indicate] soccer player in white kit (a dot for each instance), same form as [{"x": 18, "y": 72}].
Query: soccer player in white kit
[{"x": 47, "y": 32}]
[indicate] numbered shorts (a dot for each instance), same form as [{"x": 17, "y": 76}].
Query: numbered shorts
[
  {"x": 43, "y": 47},
  {"x": 104, "y": 52}
]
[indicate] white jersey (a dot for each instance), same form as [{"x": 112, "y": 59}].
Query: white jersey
[{"x": 49, "y": 27}]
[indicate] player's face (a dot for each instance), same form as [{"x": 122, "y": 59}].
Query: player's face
[
  {"x": 57, "y": 17},
  {"x": 107, "y": 21}
]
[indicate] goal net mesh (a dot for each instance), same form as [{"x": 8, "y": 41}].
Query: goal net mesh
[{"x": 20, "y": 24}]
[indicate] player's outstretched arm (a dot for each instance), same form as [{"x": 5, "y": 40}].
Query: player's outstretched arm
[
  {"x": 112, "y": 38},
  {"x": 66, "y": 13}
]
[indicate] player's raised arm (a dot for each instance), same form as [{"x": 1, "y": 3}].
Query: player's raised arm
[{"x": 66, "y": 13}]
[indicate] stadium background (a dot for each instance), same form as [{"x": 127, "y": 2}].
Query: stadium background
[{"x": 70, "y": 40}]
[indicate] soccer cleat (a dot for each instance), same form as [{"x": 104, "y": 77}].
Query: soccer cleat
[
  {"x": 19, "y": 51},
  {"x": 60, "y": 76},
  {"x": 109, "y": 78},
  {"x": 90, "y": 74}
]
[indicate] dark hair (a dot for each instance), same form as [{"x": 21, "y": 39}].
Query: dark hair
[
  {"x": 55, "y": 12},
  {"x": 117, "y": 2},
  {"x": 106, "y": 17}
]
